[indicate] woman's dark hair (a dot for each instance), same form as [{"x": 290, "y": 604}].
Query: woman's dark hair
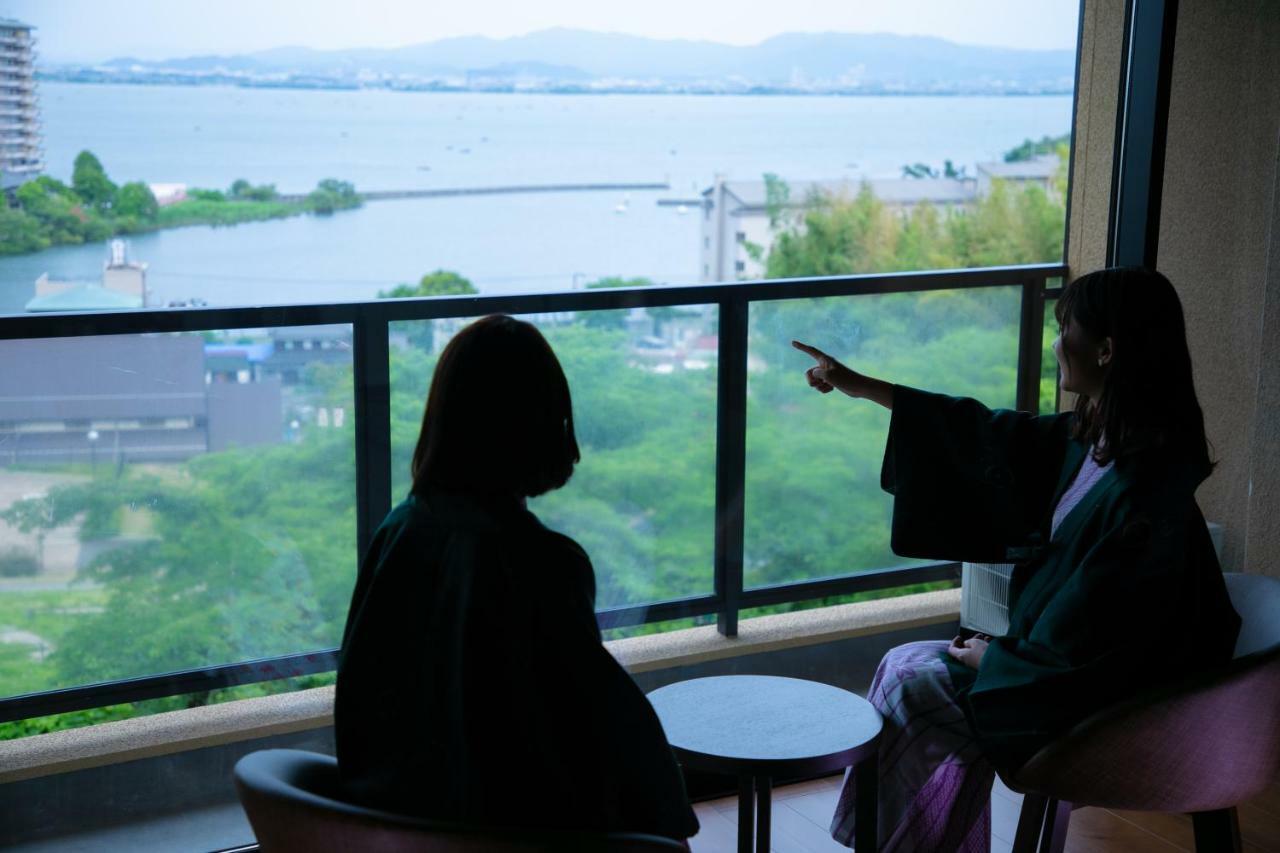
[
  {"x": 1149, "y": 398},
  {"x": 499, "y": 418}
]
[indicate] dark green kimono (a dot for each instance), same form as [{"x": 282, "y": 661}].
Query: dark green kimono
[
  {"x": 473, "y": 686},
  {"x": 1126, "y": 593}
]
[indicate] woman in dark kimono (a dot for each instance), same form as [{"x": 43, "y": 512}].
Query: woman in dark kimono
[
  {"x": 472, "y": 683},
  {"x": 1116, "y": 584}
]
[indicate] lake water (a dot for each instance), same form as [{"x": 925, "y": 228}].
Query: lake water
[{"x": 209, "y": 136}]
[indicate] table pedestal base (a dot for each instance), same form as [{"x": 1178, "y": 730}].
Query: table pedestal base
[{"x": 755, "y": 809}]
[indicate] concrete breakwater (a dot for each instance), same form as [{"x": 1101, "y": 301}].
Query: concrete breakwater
[{"x": 444, "y": 192}]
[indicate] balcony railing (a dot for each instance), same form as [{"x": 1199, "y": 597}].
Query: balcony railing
[{"x": 371, "y": 324}]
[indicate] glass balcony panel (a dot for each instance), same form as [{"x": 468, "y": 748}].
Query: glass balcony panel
[
  {"x": 172, "y": 501},
  {"x": 642, "y": 501},
  {"x": 1049, "y": 392},
  {"x": 813, "y": 503}
]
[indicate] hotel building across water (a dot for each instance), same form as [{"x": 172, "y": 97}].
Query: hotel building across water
[{"x": 20, "y": 156}]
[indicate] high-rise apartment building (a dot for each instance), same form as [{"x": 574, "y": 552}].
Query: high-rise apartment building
[{"x": 20, "y": 155}]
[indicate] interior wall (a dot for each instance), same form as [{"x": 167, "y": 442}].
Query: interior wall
[
  {"x": 1219, "y": 243},
  {"x": 1262, "y": 535},
  {"x": 1097, "y": 90}
]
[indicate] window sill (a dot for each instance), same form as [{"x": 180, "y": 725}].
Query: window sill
[
  {"x": 786, "y": 630},
  {"x": 248, "y": 719}
]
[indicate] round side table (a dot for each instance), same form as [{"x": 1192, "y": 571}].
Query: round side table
[{"x": 760, "y": 727}]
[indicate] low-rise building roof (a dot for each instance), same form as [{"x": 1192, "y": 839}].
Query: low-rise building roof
[
  {"x": 84, "y": 297},
  {"x": 752, "y": 195},
  {"x": 1042, "y": 167}
]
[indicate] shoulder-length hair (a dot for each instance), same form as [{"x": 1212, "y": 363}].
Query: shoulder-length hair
[
  {"x": 499, "y": 418},
  {"x": 1149, "y": 398}
]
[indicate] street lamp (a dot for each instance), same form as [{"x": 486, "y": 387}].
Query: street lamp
[{"x": 92, "y": 435}]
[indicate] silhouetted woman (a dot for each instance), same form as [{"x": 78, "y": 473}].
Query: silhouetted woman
[
  {"x": 1116, "y": 584},
  {"x": 472, "y": 683}
]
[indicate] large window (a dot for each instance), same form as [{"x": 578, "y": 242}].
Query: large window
[{"x": 187, "y": 476}]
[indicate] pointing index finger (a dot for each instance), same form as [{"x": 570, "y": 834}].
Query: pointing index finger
[{"x": 813, "y": 351}]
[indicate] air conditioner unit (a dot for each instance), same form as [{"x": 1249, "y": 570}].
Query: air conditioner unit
[
  {"x": 984, "y": 591},
  {"x": 984, "y": 597}
]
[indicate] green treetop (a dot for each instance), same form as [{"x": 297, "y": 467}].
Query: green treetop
[
  {"x": 438, "y": 283},
  {"x": 90, "y": 182}
]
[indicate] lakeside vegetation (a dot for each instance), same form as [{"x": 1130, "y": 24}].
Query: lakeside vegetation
[
  {"x": 251, "y": 551},
  {"x": 46, "y": 212}
]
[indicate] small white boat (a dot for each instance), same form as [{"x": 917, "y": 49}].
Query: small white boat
[{"x": 682, "y": 209}]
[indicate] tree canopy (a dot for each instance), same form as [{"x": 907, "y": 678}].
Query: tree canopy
[
  {"x": 51, "y": 213},
  {"x": 438, "y": 283},
  {"x": 91, "y": 183}
]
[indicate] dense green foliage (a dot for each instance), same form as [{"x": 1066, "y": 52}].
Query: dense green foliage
[
  {"x": 251, "y": 552},
  {"x": 242, "y": 190},
  {"x": 51, "y": 213},
  {"x": 330, "y": 195},
  {"x": 924, "y": 170},
  {"x": 206, "y": 212},
  {"x": 837, "y": 235}
]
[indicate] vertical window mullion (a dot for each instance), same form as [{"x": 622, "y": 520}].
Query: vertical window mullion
[{"x": 731, "y": 448}]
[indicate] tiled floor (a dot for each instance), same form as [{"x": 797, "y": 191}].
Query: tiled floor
[
  {"x": 214, "y": 828},
  {"x": 800, "y": 817},
  {"x": 801, "y": 814}
]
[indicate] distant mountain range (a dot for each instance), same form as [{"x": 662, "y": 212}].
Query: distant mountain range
[{"x": 565, "y": 58}]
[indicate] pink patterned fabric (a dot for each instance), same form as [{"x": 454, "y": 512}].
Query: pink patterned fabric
[
  {"x": 1086, "y": 478},
  {"x": 935, "y": 787}
]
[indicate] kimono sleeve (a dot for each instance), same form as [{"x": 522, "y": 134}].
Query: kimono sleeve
[{"x": 968, "y": 482}]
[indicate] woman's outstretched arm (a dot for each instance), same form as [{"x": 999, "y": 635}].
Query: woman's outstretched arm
[{"x": 829, "y": 375}]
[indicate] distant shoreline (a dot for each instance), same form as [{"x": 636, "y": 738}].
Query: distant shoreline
[{"x": 95, "y": 77}]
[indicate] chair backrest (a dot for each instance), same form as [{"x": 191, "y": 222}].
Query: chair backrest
[
  {"x": 1207, "y": 743},
  {"x": 292, "y": 800}
]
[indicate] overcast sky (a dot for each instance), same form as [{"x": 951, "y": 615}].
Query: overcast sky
[{"x": 90, "y": 30}]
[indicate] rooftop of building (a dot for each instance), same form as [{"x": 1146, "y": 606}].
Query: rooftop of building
[
  {"x": 14, "y": 24},
  {"x": 752, "y": 195},
  {"x": 84, "y": 297},
  {"x": 248, "y": 352},
  {"x": 1042, "y": 167},
  {"x": 313, "y": 333}
]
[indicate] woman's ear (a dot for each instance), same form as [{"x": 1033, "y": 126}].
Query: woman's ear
[{"x": 1105, "y": 352}]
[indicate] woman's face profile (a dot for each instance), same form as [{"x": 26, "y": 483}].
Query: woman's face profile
[{"x": 1078, "y": 360}]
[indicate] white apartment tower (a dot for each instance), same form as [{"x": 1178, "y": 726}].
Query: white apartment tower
[{"x": 20, "y": 156}]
